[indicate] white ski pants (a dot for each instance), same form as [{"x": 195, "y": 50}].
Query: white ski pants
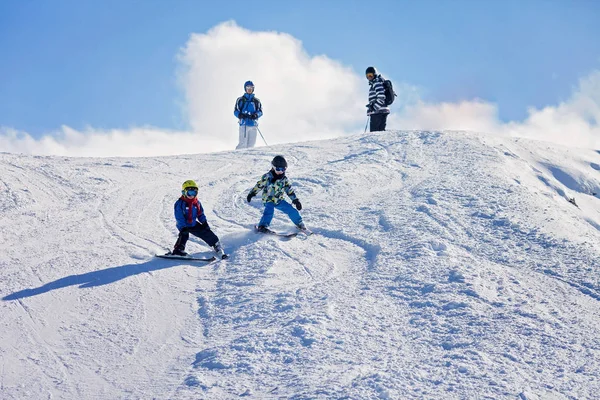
[{"x": 247, "y": 137}]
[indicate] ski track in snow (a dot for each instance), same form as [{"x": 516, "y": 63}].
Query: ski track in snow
[{"x": 442, "y": 265}]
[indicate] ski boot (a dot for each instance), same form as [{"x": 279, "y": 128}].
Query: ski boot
[
  {"x": 178, "y": 252},
  {"x": 219, "y": 250},
  {"x": 304, "y": 229}
]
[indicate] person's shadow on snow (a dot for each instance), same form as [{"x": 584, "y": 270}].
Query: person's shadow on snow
[{"x": 96, "y": 278}]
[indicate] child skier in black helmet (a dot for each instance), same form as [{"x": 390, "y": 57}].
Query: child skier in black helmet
[
  {"x": 275, "y": 185},
  {"x": 190, "y": 218}
]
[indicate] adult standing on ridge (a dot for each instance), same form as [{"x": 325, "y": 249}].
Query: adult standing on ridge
[
  {"x": 377, "y": 108},
  {"x": 247, "y": 110}
]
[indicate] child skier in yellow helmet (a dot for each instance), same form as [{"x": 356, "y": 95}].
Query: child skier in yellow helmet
[{"x": 190, "y": 218}]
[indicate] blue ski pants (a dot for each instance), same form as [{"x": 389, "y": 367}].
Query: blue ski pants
[{"x": 283, "y": 206}]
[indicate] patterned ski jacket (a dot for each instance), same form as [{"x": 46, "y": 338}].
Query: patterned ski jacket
[
  {"x": 187, "y": 212},
  {"x": 377, "y": 96},
  {"x": 274, "y": 188},
  {"x": 250, "y": 105}
]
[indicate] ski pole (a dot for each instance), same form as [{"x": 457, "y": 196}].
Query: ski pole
[
  {"x": 261, "y": 135},
  {"x": 367, "y": 124}
]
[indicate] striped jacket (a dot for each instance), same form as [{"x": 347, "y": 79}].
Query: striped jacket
[
  {"x": 377, "y": 96},
  {"x": 274, "y": 188}
]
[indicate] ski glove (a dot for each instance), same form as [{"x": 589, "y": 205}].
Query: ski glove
[
  {"x": 297, "y": 204},
  {"x": 254, "y": 116},
  {"x": 250, "y": 196},
  {"x": 244, "y": 115}
]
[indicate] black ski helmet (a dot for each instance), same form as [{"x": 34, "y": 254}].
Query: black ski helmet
[
  {"x": 371, "y": 70},
  {"x": 279, "y": 161}
]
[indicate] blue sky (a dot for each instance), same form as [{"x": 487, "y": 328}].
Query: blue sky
[{"x": 112, "y": 64}]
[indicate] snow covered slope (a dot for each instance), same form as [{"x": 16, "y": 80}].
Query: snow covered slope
[{"x": 444, "y": 265}]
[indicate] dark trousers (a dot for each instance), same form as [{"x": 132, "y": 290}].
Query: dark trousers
[
  {"x": 378, "y": 122},
  {"x": 199, "y": 230}
]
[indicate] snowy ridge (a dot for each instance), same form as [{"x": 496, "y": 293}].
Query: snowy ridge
[{"x": 443, "y": 265}]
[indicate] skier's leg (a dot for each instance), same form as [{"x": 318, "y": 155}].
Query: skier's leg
[
  {"x": 242, "y": 137},
  {"x": 290, "y": 211},
  {"x": 182, "y": 240},
  {"x": 245, "y": 136},
  {"x": 383, "y": 121},
  {"x": 251, "y": 136},
  {"x": 205, "y": 234},
  {"x": 247, "y": 133},
  {"x": 267, "y": 216},
  {"x": 378, "y": 122},
  {"x": 374, "y": 124}
]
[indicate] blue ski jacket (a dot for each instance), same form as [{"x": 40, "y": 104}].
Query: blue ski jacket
[
  {"x": 248, "y": 104},
  {"x": 187, "y": 212}
]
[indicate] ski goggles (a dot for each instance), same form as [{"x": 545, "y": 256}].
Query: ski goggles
[
  {"x": 250, "y": 88},
  {"x": 280, "y": 169},
  {"x": 370, "y": 76},
  {"x": 191, "y": 192}
]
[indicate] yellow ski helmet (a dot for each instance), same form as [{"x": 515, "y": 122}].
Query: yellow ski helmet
[{"x": 189, "y": 184}]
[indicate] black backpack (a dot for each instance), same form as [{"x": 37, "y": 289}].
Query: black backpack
[
  {"x": 243, "y": 101},
  {"x": 390, "y": 95}
]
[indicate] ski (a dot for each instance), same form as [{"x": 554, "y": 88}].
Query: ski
[
  {"x": 275, "y": 233},
  {"x": 306, "y": 231},
  {"x": 189, "y": 258}
]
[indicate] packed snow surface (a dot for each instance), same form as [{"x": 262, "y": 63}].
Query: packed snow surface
[{"x": 443, "y": 265}]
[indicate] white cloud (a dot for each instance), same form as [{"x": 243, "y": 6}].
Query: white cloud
[
  {"x": 575, "y": 122},
  {"x": 304, "y": 98},
  {"x": 474, "y": 115},
  {"x": 105, "y": 143}
]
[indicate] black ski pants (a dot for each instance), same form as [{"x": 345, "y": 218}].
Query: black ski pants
[
  {"x": 378, "y": 122},
  {"x": 199, "y": 230}
]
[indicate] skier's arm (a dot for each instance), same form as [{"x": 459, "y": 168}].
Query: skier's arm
[
  {"x": 179, "y": 217},
  {"x": 258, "y": 111},
  {"x": 289, "y": 190},
  {"x": 260, "y": 184},
  {"x": 201, "y": 215},
  {"x": 236, "y": 109},
  {"x": 380, "y": 99}
]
